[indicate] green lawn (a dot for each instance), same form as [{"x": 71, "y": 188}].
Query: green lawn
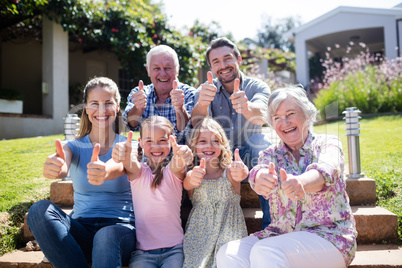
[{"x": 21, "y": 163}]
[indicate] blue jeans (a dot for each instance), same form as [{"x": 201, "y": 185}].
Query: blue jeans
[
  {"x": 68, "y": 242},
  {"x": 158, "y": 258},
  {"x": 249, "y": 154}
]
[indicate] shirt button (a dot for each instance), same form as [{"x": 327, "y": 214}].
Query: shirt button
[
  {"x": 221, "y": 107},
  {"x": 233, "y": 113}
]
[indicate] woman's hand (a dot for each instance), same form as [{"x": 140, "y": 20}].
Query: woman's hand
[
  {"x": 238, "y": 170},
  {"x": 265, "y": 180},
  {"x": 97, "y": 170},
  {"x": 53, "y": 167},
  {"x": 292, "y": 186}
]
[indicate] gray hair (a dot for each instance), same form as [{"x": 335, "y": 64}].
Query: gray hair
[
  {"x": 160, "y": 50},
  {"x": 299, "y": 95}
]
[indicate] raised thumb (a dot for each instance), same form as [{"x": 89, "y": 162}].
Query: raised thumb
[
  {"x": 284, "y": 175},
  {"x": 202, "y": 163},
  {"x": 210, "y": 78},
  {"x": 237, "y": 155},
  {"x": 95, "y": 153},
  {"x": 59, "y": 149},
  {"x": 271, "y": 168}
]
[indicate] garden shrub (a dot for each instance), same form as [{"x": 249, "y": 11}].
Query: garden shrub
[{"x": 372, "y": 84}]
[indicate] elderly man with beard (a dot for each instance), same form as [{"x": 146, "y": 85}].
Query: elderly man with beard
[
  {"x": 166, "y": 96},
  {"x": 237, "y": 102}
]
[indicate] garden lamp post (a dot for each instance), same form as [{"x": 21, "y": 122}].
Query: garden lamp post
[
  {"x": 71, "y": 124},
  {"x": 353, "y": 132}
]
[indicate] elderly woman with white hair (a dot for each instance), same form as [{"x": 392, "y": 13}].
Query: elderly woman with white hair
[{"x": 302, "y": 177}]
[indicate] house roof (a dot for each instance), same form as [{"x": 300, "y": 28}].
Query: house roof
[{"x": 395, "y": 12}]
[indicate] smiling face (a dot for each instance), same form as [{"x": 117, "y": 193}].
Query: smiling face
[
  {"x": 162, "y": 71},
  {"x": 101, "y": 107},
  {"x": 208, "y": 146},
  {"x": 290, "y": 124},
  {"x": 155, "y": 142},
  {"x": 224, "y": 64}
]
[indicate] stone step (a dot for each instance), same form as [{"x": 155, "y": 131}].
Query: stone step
[
  {"x": 373, "y": 224},
  {"x": 361, "y": 192},
  {"x": 367, "y": 256}
]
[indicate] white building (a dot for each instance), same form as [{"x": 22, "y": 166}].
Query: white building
[{"x": 379, "y": 29}]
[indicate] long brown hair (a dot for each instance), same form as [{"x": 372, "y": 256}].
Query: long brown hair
[
  {"x": 159, "y": 121},
  {"x": 110, "y": 85},
  {"x": 225, "y": 158}
]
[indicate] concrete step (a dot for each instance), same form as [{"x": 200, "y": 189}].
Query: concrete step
[
  {"x": 361, "y": 192},
  {"x": 367, "y": 256},
  {"x": 28, "y": 236},
  {"x": 373, "y": 224}
]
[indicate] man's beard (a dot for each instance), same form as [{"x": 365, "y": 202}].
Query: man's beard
[{"x": 231, "y": 79}]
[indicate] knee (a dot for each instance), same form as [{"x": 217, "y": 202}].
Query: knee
[
  {"x": 113, "y": 235},
  {"x": 37, "y": 211},
  {"x": 264, "y": 255}
]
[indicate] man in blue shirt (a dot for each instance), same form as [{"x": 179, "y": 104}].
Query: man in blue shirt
[
  {"x": 166, "y": 96},
  {"x": 237, "y": 102}
]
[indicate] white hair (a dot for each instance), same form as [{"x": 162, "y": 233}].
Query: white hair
[
  {"x": 299, "y": 95},
  {"x": 160, "y": 50}
]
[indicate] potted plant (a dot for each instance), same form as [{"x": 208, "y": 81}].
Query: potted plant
[{"x": 10, "y": 101}]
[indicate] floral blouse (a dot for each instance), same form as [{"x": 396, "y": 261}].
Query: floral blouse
[{"x": 326, "y": 213}]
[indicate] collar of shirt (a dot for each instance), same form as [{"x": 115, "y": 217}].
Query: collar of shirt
[
  {"x": 154, "y": 96},
  {"x": 283, "y": 149}
]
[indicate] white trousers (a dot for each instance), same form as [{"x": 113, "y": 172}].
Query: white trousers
[{"x": 296, "y": 249}]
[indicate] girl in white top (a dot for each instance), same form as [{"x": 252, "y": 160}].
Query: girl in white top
[{"x": 157, "y": 191}]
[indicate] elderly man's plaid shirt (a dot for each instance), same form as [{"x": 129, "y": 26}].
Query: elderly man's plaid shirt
[{"x": 167, "y": 109}]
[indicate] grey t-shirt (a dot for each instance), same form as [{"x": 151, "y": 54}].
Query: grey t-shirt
[{"x": 236, "y": 126}]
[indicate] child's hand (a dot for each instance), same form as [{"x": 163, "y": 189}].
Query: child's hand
[
  {"x": 97, "y": 172},
  {"x": 181, "y": 153},
  {"x": 265, "y": 180},
  {"x": 195, "y": 176},
  {"x": 238, "y": 170},
  {"x": 122, "y": 150},
  {"x": 54, "y": 163}
]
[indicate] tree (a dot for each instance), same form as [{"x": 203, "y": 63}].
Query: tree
[
  {"x": 128, "y": 28},
  {"x": 271, "y": 34}
]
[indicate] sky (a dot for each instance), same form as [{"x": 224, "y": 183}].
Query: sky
[{"x": 243, "y": 18}]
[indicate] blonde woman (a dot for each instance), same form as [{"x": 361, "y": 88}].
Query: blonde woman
[{"x": 100, "y": 230}]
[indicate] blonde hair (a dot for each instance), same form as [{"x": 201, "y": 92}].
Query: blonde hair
[
  {"x": 110, "y": 85},
  {"x": 151, "y": 121},
  {"x": 225, "y": 158}
]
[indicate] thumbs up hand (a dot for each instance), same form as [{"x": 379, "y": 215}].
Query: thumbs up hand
[
  {"x": 96, "y": 169},
  {"x": 122, "y": 150},
  {"x": 177, "y": 97},
  {"x": 195, "y": 176},
  {"x": 182, "y": 154},
  {"x": 140, "y": 98},
  {"x": 53, "y": 166},
  {"x": 265, "y": 180},
  {"x": 238, "y": 98},
  {"x": 238, "y": 170},
  {"x": 207, "y": 91},
  {"x": 292, "y": 186}
]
